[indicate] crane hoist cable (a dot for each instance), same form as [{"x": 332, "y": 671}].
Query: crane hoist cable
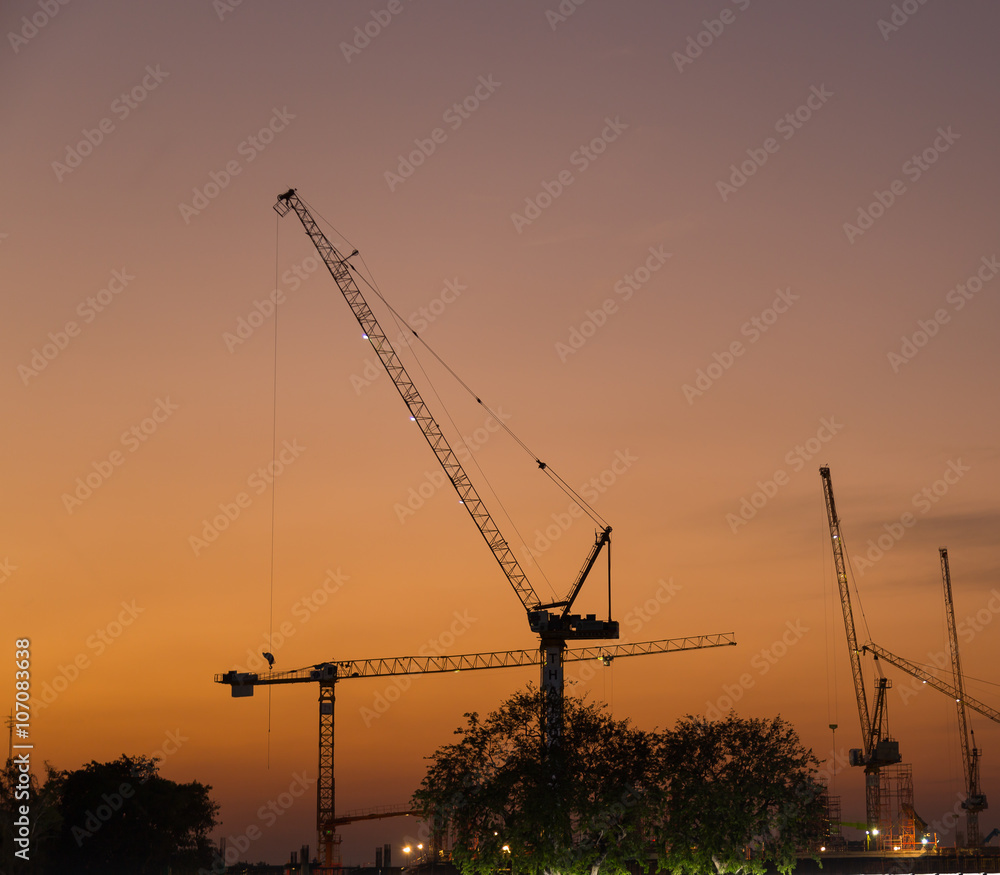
[{"x": 556, "y": 478}]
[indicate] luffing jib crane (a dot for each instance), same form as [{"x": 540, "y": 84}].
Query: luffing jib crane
[
  {"x": 552, "y": 621},
  {"x": 879, "y": 750},
  {"x": 975, "y": 799},
  {"x": 328, "y": 674}
]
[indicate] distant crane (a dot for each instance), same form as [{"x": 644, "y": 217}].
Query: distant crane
[
  {"x": 975, "y": 800},
  {"x": 328, "y": 674},
  {"x": 552, "y": 621},
  {"x": 879, "y": 750}
]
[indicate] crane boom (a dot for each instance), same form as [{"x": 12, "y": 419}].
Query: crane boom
[
  {"x": 341, "y": 272},
  {"x": 553, "y": 629},
  {"x": 879, "y": 750},
  {"x": 931, "y": 680},
  {"x": 405, "y": 665},
  {"x": 565, "y": 625},
  {"x": 845, "y": 601},
  {"x": 975, "y": 800}
]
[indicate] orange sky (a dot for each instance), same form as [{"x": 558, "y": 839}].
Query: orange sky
[{"x": 814, "y": 191}]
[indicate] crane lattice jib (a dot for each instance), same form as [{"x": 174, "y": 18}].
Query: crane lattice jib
[
  {"x": 341, "y": 273},
  {"x": 931, "y": 680},
  {"x": 406, "y": 665},
  {"x": 956, "y": 668},
  {"x": 845, "y": 601}
]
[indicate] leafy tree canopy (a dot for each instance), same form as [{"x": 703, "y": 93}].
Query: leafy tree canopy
[
  {"x": 494, "y": 789},
  {"x": 729, "y": 795},
  {"x": 743, "y": 794},
  {"x": 122, "y": 818}
]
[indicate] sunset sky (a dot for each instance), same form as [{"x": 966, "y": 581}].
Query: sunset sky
[{"x": 690, "y": 252}]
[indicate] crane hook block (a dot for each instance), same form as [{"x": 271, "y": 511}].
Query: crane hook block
[{"x": 541, "y": 464}]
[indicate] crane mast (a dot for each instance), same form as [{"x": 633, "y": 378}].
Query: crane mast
[
  {"x": 553, "y": 628},
  {"x": 878, "y": 750},
  {"x": 975, "y": 800}
]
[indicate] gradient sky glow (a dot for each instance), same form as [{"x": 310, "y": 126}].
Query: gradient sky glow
[{"x": 138, "y": 232}]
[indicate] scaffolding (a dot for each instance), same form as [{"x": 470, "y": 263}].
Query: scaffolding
[{"x": 900, "y": 827}]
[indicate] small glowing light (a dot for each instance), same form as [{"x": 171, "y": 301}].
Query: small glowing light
[
  {"x": 364, "y": 336},
  {"x": 407, "y": 849},
  {"x": 505, "y": 849},
  {"x": 822, "y": 847},
  {"x": 413, "y": 419},
  {"x": 895, "y": 847},
  {"x": 874, "y": 832},
  {"x": 420, "y": 847}
]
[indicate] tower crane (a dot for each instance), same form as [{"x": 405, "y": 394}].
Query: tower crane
[
  {"x": 975, "y": 800},
  {"x": 552, "y": 621},
  {"x": 328, "y": 674},
  {"x": 879, "y": 750}
]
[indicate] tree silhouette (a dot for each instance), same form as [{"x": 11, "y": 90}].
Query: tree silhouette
[
  {"x": 120, "y": 818},
  {"x": 732, "y": 795}
]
